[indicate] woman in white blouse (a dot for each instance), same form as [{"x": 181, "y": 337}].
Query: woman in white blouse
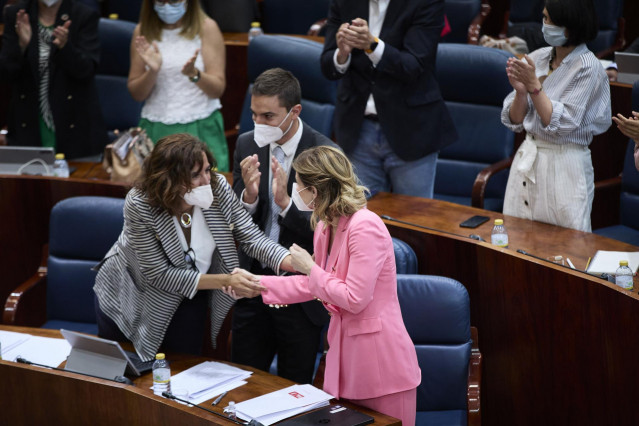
[
  {"x": 561, "y": 98},
  {"x": 178, "y": 70}
]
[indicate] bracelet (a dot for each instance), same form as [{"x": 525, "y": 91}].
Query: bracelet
[
  {"x": 196, "y": 77},
  {"x": 536, "y": 91}
]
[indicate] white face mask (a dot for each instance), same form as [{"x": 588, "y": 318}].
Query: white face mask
[
  {"x": 265, "y": 134},
  {"x": 298, "y": 201},
  {"x": 169, "y": 13},
  {"x": 49, "y": 3},
  {"x": 554, "y": 35},
  {"x": 202, "y": 196}
]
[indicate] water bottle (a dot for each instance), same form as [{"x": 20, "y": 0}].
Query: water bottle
[
  {"x": 60, "y": 166},
  {"x": 161, "y": 375},
  {"x": 231, "y": 410},
  {"x": 255, "y": 31},
  {"x": 623, "y": 275},
  {"x": 499, "y": 236}
]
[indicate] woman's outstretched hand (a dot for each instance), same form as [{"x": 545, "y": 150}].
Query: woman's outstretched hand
[
  {"x": 302, "y": 261},
  {"x": 243, "y": 284}
]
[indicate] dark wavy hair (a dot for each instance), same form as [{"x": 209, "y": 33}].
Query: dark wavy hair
[
  {"x": 578, "y": 16},
  {"x": 167, "y": 171}
]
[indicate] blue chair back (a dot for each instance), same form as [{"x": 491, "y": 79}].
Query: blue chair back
[
  {"x": 474, "y": 94},
  {"x": 405, "y": 257},
  {"x": 460, "y": 15},
  {"x": 608, "y": 14},
  {"x": 119, "y": 109},
  {"x": 292, "y": 16},
  {"x": 301, "y": 57},
  {"x": 81, "y": 232},
  {"x": 436, "y": 312},
  {"x": 233, "y": 16}
]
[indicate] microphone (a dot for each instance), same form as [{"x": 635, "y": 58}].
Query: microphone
[
  {"x": 169, "y": 395},
  {"x": 118, "y": 379}
]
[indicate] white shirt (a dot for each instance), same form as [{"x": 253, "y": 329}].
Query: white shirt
[
  {"x": 202, "y": 243},
  {"x": 376, "y": 15},
  {"x": 289, "y": 148},
  {"x": 580, "y": 94}
]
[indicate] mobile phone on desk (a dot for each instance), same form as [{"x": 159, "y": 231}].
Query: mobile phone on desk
[{"x": 474, "y": 222}]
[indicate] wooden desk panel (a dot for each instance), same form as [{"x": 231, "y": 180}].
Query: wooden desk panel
[
  {"x": 555, "y": 342},
  {"x": 32, "y": 395}
]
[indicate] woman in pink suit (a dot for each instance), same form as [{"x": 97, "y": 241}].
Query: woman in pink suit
[{"x": 371, "y": 360}]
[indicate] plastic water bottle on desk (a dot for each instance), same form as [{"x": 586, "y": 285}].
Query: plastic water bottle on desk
[
  {"x": 60, "y": 166},
  {"x": 624, "y": 275},
  {"x": 499, "y": 236},
  {"x": 161, "y": 375},
  {"x": 255, "y": 31}
]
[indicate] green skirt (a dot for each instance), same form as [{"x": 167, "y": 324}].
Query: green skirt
[{"x": 210, "y": 130}]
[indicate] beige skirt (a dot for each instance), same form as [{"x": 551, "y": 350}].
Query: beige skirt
[{"x": 551, "y": 183}]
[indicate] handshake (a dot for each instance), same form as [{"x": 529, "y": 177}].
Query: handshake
[{"x": 241, "y": 283}]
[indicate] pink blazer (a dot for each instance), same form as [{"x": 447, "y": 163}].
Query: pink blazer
[{"x": 371, "y": 354}]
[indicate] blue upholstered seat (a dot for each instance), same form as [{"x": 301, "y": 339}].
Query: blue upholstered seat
[
  {"x": 474, "y": 84},
  {"x": 81, "y": 231},
  {"x": 119, "y": 109},
  {"x": 436, "y": 312},
  {"x": 628, "y": 230},
  {"x": 301, "y": 57},
  {"x": 127, "y": 10}
]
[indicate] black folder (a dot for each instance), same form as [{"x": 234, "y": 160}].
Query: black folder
[{"x": 333, "y": 415}]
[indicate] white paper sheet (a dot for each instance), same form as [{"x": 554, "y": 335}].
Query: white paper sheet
[
  {"x": 608, "y": 261},
  {"x": 41, "y": 350},
  {"x": 204, "y": 377},
  {"x": 11, "y": 339},
  {"x": 281, "y": 404}
]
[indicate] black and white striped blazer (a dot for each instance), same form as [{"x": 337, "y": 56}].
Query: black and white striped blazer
[{"x": 144, "y": 277}]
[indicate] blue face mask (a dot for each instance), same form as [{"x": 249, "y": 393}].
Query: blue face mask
[
  {"x": 170, "y": 13},
  {"x": 554, "y": 35}
]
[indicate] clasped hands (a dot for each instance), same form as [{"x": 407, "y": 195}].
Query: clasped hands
[
  {"x": 353, "y": 35},
  {"x": 521, "y": 75},
  {"x": 245, "y": 284}
]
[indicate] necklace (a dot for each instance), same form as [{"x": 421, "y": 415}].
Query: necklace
[{"x": 186, "y": 220}]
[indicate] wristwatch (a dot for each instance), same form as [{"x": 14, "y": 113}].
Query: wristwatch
[
  {"x": 373, "y": 46},
  {"x": 196, "y": 77}
]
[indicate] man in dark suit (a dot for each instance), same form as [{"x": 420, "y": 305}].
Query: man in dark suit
[
  {"x": 263, "y": 178},
  {"x": 390, "y": 117}
]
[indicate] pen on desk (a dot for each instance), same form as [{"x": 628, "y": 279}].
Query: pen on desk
[
  {"x": 588, "y": 263},
  {"x": 219, "y": 398},
  {"x": 570, "y": 263}
]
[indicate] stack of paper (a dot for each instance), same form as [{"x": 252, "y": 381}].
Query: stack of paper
[
  {"x": 41, "y": 350},
  {"x": 608, "y": 261},
  {"x": 209, "y": 379},
  {"x": 279, "y": 405}
]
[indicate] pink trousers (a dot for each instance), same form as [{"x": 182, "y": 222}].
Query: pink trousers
[{"x": 401, "y": 405}]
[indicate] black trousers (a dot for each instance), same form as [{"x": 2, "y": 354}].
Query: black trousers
[
  {"x": 186, "y": 332},
  {"x": 259, "y": 332}
]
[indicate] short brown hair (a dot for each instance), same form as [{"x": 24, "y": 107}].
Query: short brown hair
[
  {"x": 167, "y": 171},
  {"x": 151, "y": 25},
  {"x": 281, "y": 83},
  {"x": 330, "y": 172}
]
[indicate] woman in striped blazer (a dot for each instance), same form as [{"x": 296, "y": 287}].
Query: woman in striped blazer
[{"x": 177, "y": 250}]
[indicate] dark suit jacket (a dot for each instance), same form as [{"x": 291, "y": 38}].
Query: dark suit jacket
[
  {"x": 73, "y": 97},
  {"x": 409, "y": 105},
  {"x": 295, "y": 226}
]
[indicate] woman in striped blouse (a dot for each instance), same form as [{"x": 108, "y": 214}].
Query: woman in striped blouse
[
  {"x": 561, "y": 98},
  {"x": 177, "y": 250}
]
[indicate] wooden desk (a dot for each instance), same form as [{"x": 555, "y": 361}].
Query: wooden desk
[
  {"x": 32, "y": 395},
  {"x": 557, "y": 345}
]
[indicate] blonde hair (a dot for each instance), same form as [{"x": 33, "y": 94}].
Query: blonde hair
[
  {"x": 329, "y": 171},
  {"x": 151, "y": 25}
]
